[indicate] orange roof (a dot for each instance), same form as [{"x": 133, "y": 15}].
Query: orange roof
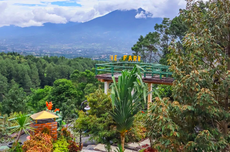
[{"x": 43, "y": 115}]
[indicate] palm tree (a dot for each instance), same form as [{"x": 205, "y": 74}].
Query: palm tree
[
  {"x": 23, "y": 123},
  {"x": 127, "y": 96}
]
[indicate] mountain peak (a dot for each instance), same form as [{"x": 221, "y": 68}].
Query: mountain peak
[{"x": 140, "y": 10}]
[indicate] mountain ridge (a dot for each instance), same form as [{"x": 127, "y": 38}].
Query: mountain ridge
[{"x": 116, "y": 31}]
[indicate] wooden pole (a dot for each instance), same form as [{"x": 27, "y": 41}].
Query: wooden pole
[{"x": 149, "y": 95}]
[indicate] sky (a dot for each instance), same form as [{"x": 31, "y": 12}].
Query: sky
[{"x": 25, "y": 13}]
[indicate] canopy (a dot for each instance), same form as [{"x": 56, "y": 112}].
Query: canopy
[{"x": 43, "y": 115}]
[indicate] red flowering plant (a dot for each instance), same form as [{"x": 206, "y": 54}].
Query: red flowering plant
[
  {"x": 74, "y": 147},
  {"x": 40, "y": 142},
  {"x": 49, "y": 106}
]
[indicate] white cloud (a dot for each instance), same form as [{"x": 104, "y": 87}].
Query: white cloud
[
  {"x": 29, "y": 15},
  {"x": 141, "y": 15}
]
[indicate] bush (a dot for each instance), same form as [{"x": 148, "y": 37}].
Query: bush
[
  {"x": 65, "y": 133},
  {"x": 73, "y": 147},
  {"x": 17, "y": 148},
  {"x": 150, "y": 150},
  {"x": 41, "y": 142},
  {"x": 61, "y": 145}
]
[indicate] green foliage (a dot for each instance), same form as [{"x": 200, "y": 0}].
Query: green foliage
[
  {"x": 39, "y": 142},
  {"x": 155, "y": 44},
  {"x": 66, "y": 133},
  {"x": 138, "y": 129},
  {"x": 146, "y": 47},
  {"x": 160, "y": 125},
  {"x": 199, "y": 117},
  {"x": 61, "y": 145},
  {"x": 89, "y": 88},
  {"x": 125, "y": 104},
  {"x": 38, "y": 98},
  {"x": 85, "y": 82},
  {"x": 65, "y": 97},
  {"x": 3, "y": 86},
  {"x": 31, "y": 72},
  {"x": 17, "y": 148},
  {"x": 163, "y": 91},
  {"x": 23, "y": 124},
  {"x": 14, "y": 100},
  {"x": 119, "y": 148},
  {"x": 98, "y": 123},
  {"x": 126, "y": 100}
]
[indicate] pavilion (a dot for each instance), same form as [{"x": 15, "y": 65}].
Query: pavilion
[{"x": 151, "y": 73}]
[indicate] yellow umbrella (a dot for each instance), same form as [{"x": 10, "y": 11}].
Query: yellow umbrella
[{"x": 43, "y": 115}]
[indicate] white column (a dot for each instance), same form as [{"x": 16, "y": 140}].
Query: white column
[
  {"x": 149, "y": 95},
  {"x": 106, "y": 87}
]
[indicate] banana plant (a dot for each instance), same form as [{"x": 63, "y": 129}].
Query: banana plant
[{"x": 128, "y": 95}]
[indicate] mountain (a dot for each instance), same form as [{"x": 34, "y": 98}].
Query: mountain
[{"x": 116, "y": 31}]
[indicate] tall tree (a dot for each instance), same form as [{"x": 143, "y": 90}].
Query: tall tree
[
  {"x": 65, "y": 97},
  {"x": 3, "y": 86},
  {"x": 14, "y": 100},
  {"x": 126, "y": 100},
  {"x": 200, "y": 113},
  {"x": 146, "y": 47}
]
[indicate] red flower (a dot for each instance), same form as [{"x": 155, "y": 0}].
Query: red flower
[
  {"x": 56, "y": 110},
  {"x": 142, "y": 111},
  {"x": 49, "y": 105}
]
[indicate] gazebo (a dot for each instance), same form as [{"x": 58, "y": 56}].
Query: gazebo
[{"x": 45, "y": 119}]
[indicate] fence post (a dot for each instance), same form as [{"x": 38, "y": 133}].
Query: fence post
[
  {"x": 95, "y": 69},
  {"x": 160, "y": 74},
  {"x": 112, "y": 70}
]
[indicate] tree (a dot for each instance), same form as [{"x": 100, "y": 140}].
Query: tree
[
  {"x": 38, "y": 98},
  {"x": 14, "y": 100},
  {"x": 3, "y": 86},
  {"x": 82, "y": 79},
  {"x": 154, "y": 46},
  {"x": 98, "y": 123},
  {"x": 200, "y": 112},
  {"x": 146, "y": 47},
  {"x": 125, "y": 103},
  {"x": 65, "y": 97},
  {"x": 89, "y": 88},
  {"x": 22, "y": 125}
]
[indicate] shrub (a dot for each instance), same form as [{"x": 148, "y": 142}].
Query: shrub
[
  {"x": 66, "y": 133},
  {"x": 61, "y": 145},
  {"x": 73, "y": 147},
  {"x": 17, "y": 148},
  {"x": 41, "y": 142},
  {"x": 150, "y": 150}
]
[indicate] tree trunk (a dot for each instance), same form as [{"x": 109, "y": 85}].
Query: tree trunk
[
  {"x": 16, "y": 142},
  {"x": 123, "y": 141}
]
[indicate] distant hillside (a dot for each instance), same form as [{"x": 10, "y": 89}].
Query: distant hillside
[{"x": 115, "y": 32}]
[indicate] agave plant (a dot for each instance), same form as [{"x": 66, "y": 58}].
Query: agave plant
[{"x": 128, "y": 94}]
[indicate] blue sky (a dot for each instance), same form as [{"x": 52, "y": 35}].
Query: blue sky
[
  {"x": 26, "y": 13},
  {"x": 66, "y": 3}
]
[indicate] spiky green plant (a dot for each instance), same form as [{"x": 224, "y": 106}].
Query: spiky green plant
[
  {"x": 23, "y": 123},
  {"x": 128, "y": 94}
]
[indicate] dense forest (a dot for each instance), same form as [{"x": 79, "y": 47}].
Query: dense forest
[{"x": 27, "y": 81}]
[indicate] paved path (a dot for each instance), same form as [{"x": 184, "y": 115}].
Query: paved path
[{"x": 91, "y": 146}]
